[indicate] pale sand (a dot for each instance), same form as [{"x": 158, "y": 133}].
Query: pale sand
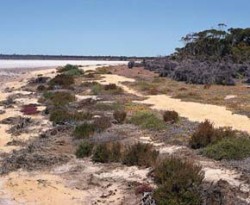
[
  {"x": 40, "y": 189},
  {"x": 198, "y": 112}
]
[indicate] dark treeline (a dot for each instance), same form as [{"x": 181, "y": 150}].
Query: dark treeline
[
  {"x": 214, "y": 56},
  {"x": 65, "y": 57},
  {"x": 215, "y": 44}
]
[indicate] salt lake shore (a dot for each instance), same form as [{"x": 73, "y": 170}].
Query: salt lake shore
[{"x": 44, "y": 138}]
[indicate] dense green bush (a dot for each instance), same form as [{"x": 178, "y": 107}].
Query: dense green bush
[
  {"x": 71, "y": 70},
  {"x": 61, "y": 81},
  {"x": 170, "y": 116},
  {"x": 207, "y": 134},
  {"x": 84, "y": 149},
  {"x": 84, "y": 130},
  {"x": 140, "y": 155},
  {"x": 108, "y": 152},
  {"x": 229, "y": 148},
  {"x": 179, "y": 182},
  {"x": 120, "y": 116},
  {"x": 147, "y": 120}
]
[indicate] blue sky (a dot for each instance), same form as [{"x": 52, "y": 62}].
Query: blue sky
[{"x": 110, "y": 27}]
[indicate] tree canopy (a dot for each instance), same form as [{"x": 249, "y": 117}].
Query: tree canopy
[{"x": 215, "y": 44}]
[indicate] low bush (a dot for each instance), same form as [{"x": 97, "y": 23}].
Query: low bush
[
  {"x": 102, "y": 123},
  {"x": 179, "y": 182},
  {"x": 140, "y": 155},
  {"x": 207, "y": 134},
  {"x": 119, "y": 116},
  {"x": 84, "y": 149},
  {"x": 71, "y": 70},
  {"x": 61, "y": 81},
  {"x": 170, "y": 116},
  {"x": 142, "y": 188},
  {"x": 96, "y": 89},
  {"x": 108, "y": 106},
  {"x": 110, "y": 87},
  {"x": 84, "y": 130},
  {"x": 30, "y": 109},
  {"x": 41, "y": 88},
  {"x": 147, "y": 120},
  {"x": 108, "y": 152},
  {"x": 61, "y": 98},
  {"x": 229, "y": 149},
  {"x": 47, "y": 95},
  {"x": 61, "y": 116},
  {"x": 103, "y": 70}
]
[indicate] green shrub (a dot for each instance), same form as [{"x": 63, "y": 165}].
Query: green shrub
[
  {"x": 207, "y": 134},
  {"x": 47, "y": 95},
  {"x": 84, "y": 130},
  {"x": 84, "y": 149},
  {"x": 108, "y": 106},
  {"x": 70, "y": 70},
  {"x": 62, "y": 98},
  {"x": 147, "y": 120},
  {"x": 170, "y": 116},
  {"x": 66, "y": 68},
  {"x": 140, "y": 155},
  {"x": 75, "y": 72},
  {"x": 62, "y": 81},
  {"x": 120, "y": 116},
  {"x": 96, "y": 89},
  {"x": 108, "y": 152},
  {"x": 179, "y": 182},
  {"x": 60, "y": 116},
  {"x": 228, "y": 148}
]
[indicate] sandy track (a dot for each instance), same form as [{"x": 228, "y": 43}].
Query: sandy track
[{"x": 198, "y": 112}]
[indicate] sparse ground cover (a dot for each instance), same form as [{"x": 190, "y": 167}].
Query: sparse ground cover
[
  {"x": 122, "y": 146},
  {"x": 235, "y": 98}
]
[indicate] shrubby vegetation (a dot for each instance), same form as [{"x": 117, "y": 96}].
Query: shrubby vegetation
[
  {"x": 179, "y": 182},
  {"x": 147, "y": 120},
  {"x": 229, "y": 149},
  {"x": 61, "y": 81},
  {"x": 107, "y": 152},
  {"x": 70, "y": 70},
  {"x": 62, "y": 115},
  {"x": 140, "y": 155},
  {"x": 170, "y": 116},
  {"x": 30, "y": 109},
  {"x": 119, "y": 116},
  {"x": 84, "y": 130},
  {"x": 84, "y": 149},
  {"x": 60, "y": 98},
  {"x": 220, "y": 143},
  {"x": 102, "y": 123},
  {"x": 206, "y": 134}
]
